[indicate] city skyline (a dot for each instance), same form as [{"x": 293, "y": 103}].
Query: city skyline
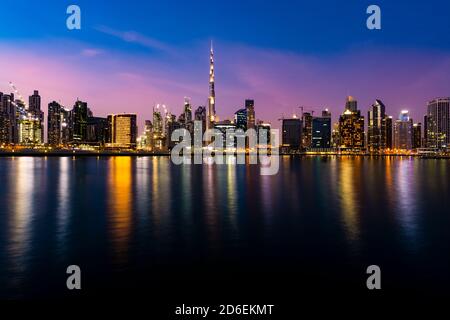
[{"x": 109, "y": 58}]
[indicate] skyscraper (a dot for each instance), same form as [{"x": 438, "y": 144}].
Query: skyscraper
[
  {"x": 438, "y": 123},
  {"x": 54, "y": 123},
  {"x": 8, "y": 132},
  {"x": 417, "y": 136},
  {"x": 376, "y": 130},
  {"x": 403, "y": 132},
  {"x": 351, "y": 127},
  {"x": 123, "y": 130},
  {"x": 307, "y": 122},
  {"x": 97, "y": 131},
  {"x": 292, "y": 134},
  {"x": 212, "y": 93},
  {"x": 34, "y": 108},
  {"x": 240, "y": 119},
  {"x": 250, "y": 108},
  {"x": 389, "y": 132},
  {"x": 321, "y": 131},
  {"x": 79, "y": 120}
]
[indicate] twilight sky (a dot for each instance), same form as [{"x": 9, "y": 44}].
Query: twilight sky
[{"x": 283, "y": 54}]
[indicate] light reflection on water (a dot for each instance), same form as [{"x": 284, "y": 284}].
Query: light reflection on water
[{"x": 121, "y": 212}]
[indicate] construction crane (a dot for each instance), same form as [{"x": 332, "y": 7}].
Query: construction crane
[
  {"x": 16, "y": 91},
  {"x": 310, "y": 109}
]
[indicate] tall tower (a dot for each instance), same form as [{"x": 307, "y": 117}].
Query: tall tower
[{"x": 212, "y": 92}]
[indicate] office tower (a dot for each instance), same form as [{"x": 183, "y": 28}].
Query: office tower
[
  {"x": 8, "y": 131},
  {"x": 34, "y": 108},
  {"x": 351, "y": 104},
  {"x": 187, "y": 111},
  {"x": 438, "y": 123},
  {"x": 351, "y": 127},
  {"x": 79, "y": 118},
  {"x": 240, "y": 119},
  {"x": 97, "y": 131},
  {"x": 123, "y": 130},
  {"x": 335, "y": 138},
  {"x": 389, "y": 132},
  {"x": 158, "y": 130},
  {"x": 30, "y": 131},
  {"x": 321, "y": 131},
  {"x": 228, "y": 131},
  {"x": 417, "y": 136},
  {"x": 171, "y": 125},
  {"x": 376, "y": 130},
  {"x": 54, "y": 123},
  {"x": 292, "y": 134},
  {"x": 212, "y": 93},
  {"x": 148, "y": 135},
  {"x": 200, "y": 115},
  {"x": 403, "y": 132},
  {"x": 250, "y": 107},
  {"x": 307, "y": 130},
  {"x": 263, "y": 130}
]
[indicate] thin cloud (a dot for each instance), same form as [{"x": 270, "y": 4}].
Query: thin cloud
[
  {"x": 137, "y": 38},
  {"x": 89, "y": 52}
]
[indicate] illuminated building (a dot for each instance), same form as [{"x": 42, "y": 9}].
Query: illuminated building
[
  {"x": 351, "y": 128},
  {"x": 34, "y": 108},
  {"x": 250, "y": 108},
  {"x": 30, "y": 131},
  {"x": 351, "y": 104},
  {"x": 97, "y": 131},
  {"x": 403, "y": 132},
  {"x": 55, "y": 120},
  {"x": 389, "y": 132},
  {"x": 376, "y": 129},
  {"x": 321, "y": 131},
  {"x": 307, "y": 130},
  {"x": 240, "y": 119},
  {"x": 228, "y": 130},
  {"x": 79, "y": 118},
  {"x": 158, "y": 129},
  {"x": 438, "y": 123},
  {"x": 292, "y": 134},
  {"x": 417, "y": 136},
  {"x": 263, "y": 129},
  {"x": 200, "y": 115},
  {"x": 212, "y": 93},
  {"x": 8, "y": 132},
  {"x": 123, "y": 130},
  {"x": 148, "y": 135}
]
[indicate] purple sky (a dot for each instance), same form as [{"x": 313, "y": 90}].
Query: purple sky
[{"x": 278, "y": 80}]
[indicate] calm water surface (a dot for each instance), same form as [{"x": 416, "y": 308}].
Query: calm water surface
[{"x": 129, "y": 222}]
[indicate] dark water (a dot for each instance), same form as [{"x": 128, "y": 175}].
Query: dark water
[{"x": 146, "y": 225}]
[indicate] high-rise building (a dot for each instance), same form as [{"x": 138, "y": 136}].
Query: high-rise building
[
  {"x": 200, "y": 115},
  {"x": 97, "y": 131},
  {"x": 8, "y": 128},
  {"x": 417, "y": 136},
  {"x": 351, "y": 128},
  {"x": 240, "y": 119},
  {"x": 292, "y": 134},
  {"x": 54, "y": 124},
  {"x": 321, "y": 131},
  {"x": 34, "y": 108},
  {"x": 403, "y": 132},
  {"x": 389, "y": 132},
  {"x": 438, "y": 123},
  {"x": 148, "y": 135},
  {"x": 79, "y": 119},
  {"x": 30, "y": 131},
  {"x": 307, "y": 121},
  {"x": 212, "y": 118},
  {"x": 250, "y": 108},
  {"x": 376, "y": 130},
  {"x": 263, "y": 130},
  {"x": 158, "y": 130},
  {"x": 187, "y": 111},
  {"x": 123, "y": 130}
]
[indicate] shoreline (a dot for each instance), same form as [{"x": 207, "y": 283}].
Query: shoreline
[{"x": 68, "y": 153}]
